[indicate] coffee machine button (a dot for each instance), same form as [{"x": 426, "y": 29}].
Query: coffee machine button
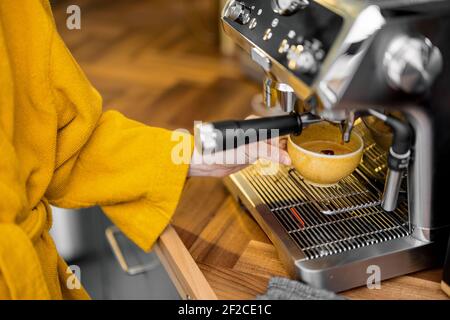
[
  {"x": 268, "y": 34},
  {"x": 288, "y": 7},
  {"x": 275, "y": 22},
  {"x": 284, "y": 46},
  {"x": 319, "y": 54},
  {"x": 239, "y": 13},
  {"x": 306, "y": 62},
  {"x": 292, "y": 34},
  {"x": 316, "y": 45},
  {"x": 301, "y": 59},
  {"x": 252, "y": 24}
]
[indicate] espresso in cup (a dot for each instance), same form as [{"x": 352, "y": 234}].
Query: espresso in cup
[
  {"x": 320, "y": 156},
  {"x": 326, "y": 147}
]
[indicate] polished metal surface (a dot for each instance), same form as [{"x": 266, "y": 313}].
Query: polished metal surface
[
  {"x": 314, "y": 69},
  {"x": 270, "y": 98},
  {"x": 286, "y": 97},
  {"x": 238, "y": 12},
  {"x": 412, "y": 64},
  {"x": 277, "y": 94},
  {"x": 288, "y": 7},
  {"x": 361, "y": 55},
  {"x": 325, "y": 234},
  {"x": 326, "y": 221},
  {"x": 420, "y": 179},
  {"x": 323, "y": 250},
  {"x": 394, "y": 178},
  {"x": 391, "y": 190},
  {"x": 261, "y": 59},
  {"x": 347, "y": 126}
]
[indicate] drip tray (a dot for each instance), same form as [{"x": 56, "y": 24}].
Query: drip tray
[
  {"x": 329, "y": 237},
  {"x": 326, "y": 221}
]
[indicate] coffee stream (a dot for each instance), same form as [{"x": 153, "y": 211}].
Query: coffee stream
[
  {"x": 330, "y": 152},
  {"x": 327, "y": 152}
]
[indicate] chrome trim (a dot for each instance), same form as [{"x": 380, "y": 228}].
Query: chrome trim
[
  {"x": 261, "y": 59},
  {"x": 420, "y": 178},
  {"x": 411, "y": 64},
  {"x": 110, "y": 233},
  {"x": 334, "y": 83},
  {"x": 349, "y": 270},
  {"x": 391, "y": 190}
]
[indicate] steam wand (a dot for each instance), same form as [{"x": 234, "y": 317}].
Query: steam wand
[{"x": 398, "y": 159}]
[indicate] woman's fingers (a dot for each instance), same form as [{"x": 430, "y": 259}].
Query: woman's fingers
[
  {"x": 281, "y": 156},
  {"x": 265, "y": 150},
  {"x": 280, "y": 142}
]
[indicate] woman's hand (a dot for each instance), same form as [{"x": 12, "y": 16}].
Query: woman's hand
[{"x": 224, "y": 163}]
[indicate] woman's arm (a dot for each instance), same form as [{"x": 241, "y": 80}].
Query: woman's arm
[{"x": 127, "y": 168}]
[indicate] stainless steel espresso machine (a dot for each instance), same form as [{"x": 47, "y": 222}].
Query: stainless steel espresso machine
[{"x": 345, "y": 62}]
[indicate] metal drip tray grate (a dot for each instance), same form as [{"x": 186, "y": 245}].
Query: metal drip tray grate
[
  {"x": 348, "y": 195},
  {"x": 374, "y": 162},
  {"x": 325, "y": 221}
]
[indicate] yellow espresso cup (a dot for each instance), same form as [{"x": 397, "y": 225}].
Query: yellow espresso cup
[{"x": 321, "y": 158}]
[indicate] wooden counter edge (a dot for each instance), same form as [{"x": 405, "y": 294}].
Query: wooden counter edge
[
  {"x": 181, "y": 267},
  {"x": 446, "y": 288}
]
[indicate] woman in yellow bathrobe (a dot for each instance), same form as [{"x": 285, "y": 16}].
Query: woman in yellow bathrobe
[{"x": 57, "y": 147}]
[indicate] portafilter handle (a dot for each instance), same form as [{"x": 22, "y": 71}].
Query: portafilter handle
[{"x": 223, "y": 135}]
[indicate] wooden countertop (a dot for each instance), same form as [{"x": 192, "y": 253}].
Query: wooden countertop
[{"x": 215, "y": 249}]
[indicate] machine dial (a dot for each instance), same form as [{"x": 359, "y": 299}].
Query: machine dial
[
  {"x": 302, "y": 59},
  {"x": 238, "y": 12},
  {"x": 288, "y": 7},
  {"x": 411, "y": 64}
]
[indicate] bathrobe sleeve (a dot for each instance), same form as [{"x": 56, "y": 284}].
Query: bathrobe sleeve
[
  {"x": 126, "y": 168},
  {"x": 136, "y": 173}
]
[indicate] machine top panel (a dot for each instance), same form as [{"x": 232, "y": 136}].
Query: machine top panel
[{"x": 295, "y": 33}]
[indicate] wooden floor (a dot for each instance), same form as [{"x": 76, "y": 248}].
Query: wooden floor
[
  {"x": 153, "y": 60},
  {"x": 156, "y": 63}
]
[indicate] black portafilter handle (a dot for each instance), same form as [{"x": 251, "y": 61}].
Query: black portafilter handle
[{"x": 223, "y": 135}]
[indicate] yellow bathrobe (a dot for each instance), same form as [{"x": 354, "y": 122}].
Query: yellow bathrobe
[{"x": 58, "y": 148}]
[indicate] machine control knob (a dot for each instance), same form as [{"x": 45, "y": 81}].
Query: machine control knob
[
  {"x": 411, "y": 64},
  {"x": 288, "y": 7},
  {"x": 302, "y": 59},
  {"x": 238, "y": 12}
]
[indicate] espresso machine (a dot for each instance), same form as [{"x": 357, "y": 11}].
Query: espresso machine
[{"x": 345, "y": 61}]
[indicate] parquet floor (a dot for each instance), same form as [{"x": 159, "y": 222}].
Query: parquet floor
[{"x": 157, "y": 61}]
